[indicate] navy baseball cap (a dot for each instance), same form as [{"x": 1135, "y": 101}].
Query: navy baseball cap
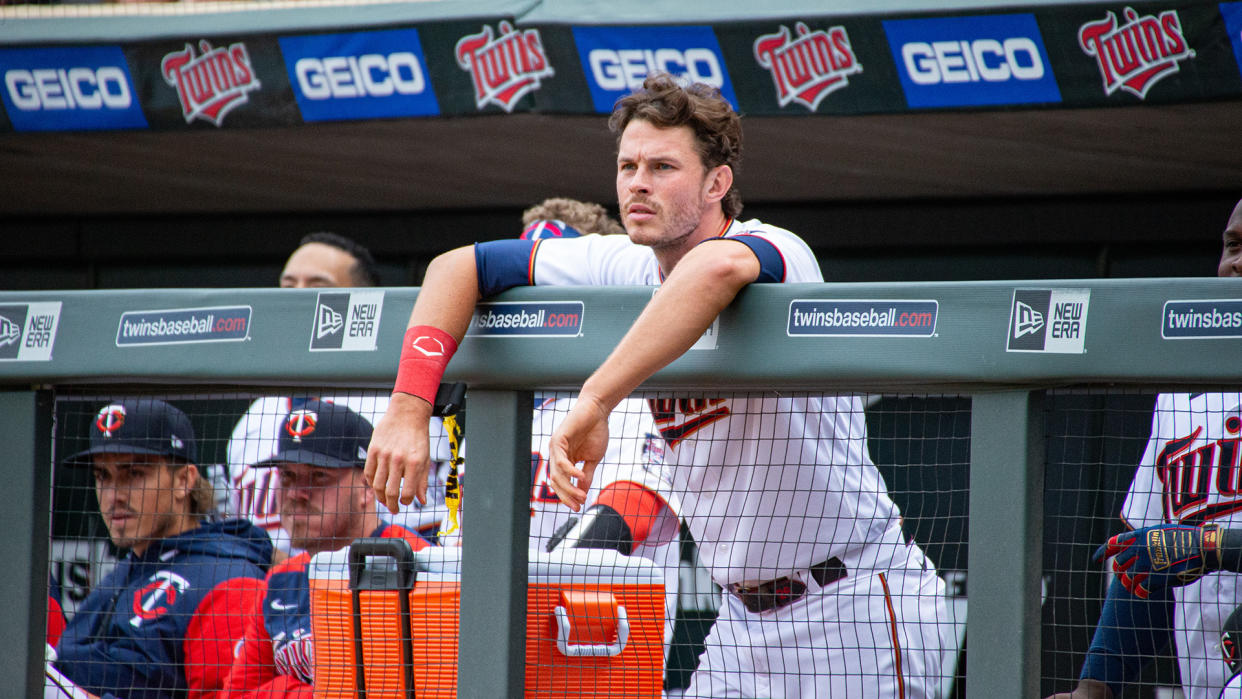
[
  {"x": 322, "y": 434},
  {"x": 139, "y": 426},
  {"x": 547, "y": 228}
]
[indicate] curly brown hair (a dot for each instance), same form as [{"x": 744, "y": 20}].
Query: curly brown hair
[
  {"x": 586, "y": 217},
  {"x": 665, "y": 103}
]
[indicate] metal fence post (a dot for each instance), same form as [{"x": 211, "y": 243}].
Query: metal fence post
[
  {"x": 26, "y": 433},
  {"x": 496, "y": 533},
  {"x": 1006, "y": 544}
]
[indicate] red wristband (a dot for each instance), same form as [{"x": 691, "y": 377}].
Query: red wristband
[{"x": 424, "y": 354}]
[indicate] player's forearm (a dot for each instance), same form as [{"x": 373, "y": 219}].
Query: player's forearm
[
  {"x": 449, "y": 293},
  {"x": 1130, "y": 631},
  {"x": 704, "y": 282}
]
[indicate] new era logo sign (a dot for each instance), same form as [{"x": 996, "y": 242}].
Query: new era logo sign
[
  {"x": 1048, "y": 320},
  {"x": 28, "y": 331},
  {"x": 346, "y": 321},
  {"x": 329, "y": 321},
  {"x": 1028, "y": 320}
]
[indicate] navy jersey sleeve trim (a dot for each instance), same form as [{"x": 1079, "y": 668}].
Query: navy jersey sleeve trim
[
  {"x": 504, "y": 264},
  {"x": 771, "y": 262}
]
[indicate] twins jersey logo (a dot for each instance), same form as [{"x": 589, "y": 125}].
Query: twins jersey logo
[
  {"x": 1048, "y": 320},
  {"x": 301, "y": 423},
  {"x": 1136, "y": 55},
  {"x": 808, "y": 68},
  {"x": 110, "y": 419},
  {"x": 1191, "y": 474},
  {"x": 153, "y": 599},
  {"x": 212, "y": 83},
  {"x": 678, "y": 418},
  {"x": 503, "y": 68}
]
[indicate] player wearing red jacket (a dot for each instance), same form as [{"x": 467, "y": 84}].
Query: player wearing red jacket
[
  {"x": 325, "y": 504},
  {"x": 164, "y": 622}
]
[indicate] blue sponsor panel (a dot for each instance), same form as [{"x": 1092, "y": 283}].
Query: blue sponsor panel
[
  {"x": 362, "y": 75},
  {"x": 1201, "y": 319},
  {"x": 853, "y": 318},
  {"x": 971, "y": 61},
  {"x": 1232, "y": 14},
  {"x": 176, "y": 326},
  {"x": 616, "y": 60},
  {"x": 71, "y": 88},
  {"x": 527, "y": 319}
]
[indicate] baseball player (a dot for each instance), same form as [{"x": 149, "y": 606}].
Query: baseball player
[
  {"x": 325, "y": 505},
  {"x": 1184, "y": 499},
  {"x": 163, "y": 623},
  {"x": 822, "y": 594}
]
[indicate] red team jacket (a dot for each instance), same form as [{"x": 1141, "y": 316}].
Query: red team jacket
[{"x": 275, "y": 659}]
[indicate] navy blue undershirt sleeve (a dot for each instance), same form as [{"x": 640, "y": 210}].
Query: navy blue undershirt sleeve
[
  {"x": 503, "y": 264},
  {"x": 771, "y": 263},
  {"x": 1129, "y": 633}
]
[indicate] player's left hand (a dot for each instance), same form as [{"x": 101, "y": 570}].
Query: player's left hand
[
  {"x": 582, "y": 438},
  {"x": 1152, "y": 559}
]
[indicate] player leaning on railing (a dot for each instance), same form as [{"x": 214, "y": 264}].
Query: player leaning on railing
[{"x": 823, "y": 595}]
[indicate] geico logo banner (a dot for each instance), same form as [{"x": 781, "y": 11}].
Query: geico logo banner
[
  {"x": 72, "y": 88},
  {"x": 1016, "y": 58},
  {"x": 370, "y": 75},
  {"x": 625, "y": 69}
]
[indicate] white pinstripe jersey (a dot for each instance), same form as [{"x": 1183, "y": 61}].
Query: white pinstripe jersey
[
  {"x": 1190, "y": 473},
  {"x": 768, "y": 485}
]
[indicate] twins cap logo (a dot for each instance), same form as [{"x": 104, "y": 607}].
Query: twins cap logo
[
  {"x": 428, "y": 346},
  {"x": 808, "y": 68},
  {"x": 153, "y": 599},
  {"x": 110, "y": 419},
  {"x": 1027, "y": 321},
  {"x": 1048, "y": 320},
  {"x": 301, "y": 423},
  {"x": 1136, "y": 55},
  {"x": 503, "y": 68},
  {"x": 176, "y": 442},
  {"x": 328, "y": 321},
  {"x": 212, "y": 83},
  {"x": 10, "y": 332}
]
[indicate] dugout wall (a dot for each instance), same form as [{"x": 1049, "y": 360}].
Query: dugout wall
[{"x": 992, "y": 403}]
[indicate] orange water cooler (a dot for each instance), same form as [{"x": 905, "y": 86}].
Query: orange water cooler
[{"x": 385, "y": 620}]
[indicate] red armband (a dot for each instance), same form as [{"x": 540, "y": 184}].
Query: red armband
[
  {"x": 637, "y": 505},
  {"x": 424, "y": 354}
]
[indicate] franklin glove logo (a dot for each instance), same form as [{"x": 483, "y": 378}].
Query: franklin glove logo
[
  {"x": 503, "y": 68},
  {"x": 807, "y": 68},
  {"x": 10, "y": 332},
  {"x": 1028, "y": 321},
  {"x": 328, "y": 322},
  {"x": 1136, "y": 55}
]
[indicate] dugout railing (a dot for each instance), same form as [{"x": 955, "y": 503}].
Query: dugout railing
[{"x": 1007, "y": 346}]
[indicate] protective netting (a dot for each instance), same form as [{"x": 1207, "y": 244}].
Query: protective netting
[
  {"x": 842, "y": 519},
  {"x": 1102, "y": 467}
]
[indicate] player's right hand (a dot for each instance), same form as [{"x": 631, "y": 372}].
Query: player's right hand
[
  {"x": 400, "y": 449},
  {"x": 1152, "y": 559},
  {"x": 582, "y": 438}
]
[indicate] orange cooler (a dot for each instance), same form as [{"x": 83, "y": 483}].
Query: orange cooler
[{"x": 594, "y": 626}]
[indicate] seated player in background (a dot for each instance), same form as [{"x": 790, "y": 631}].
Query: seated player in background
[
  {"x": 1161, "y": 591},
  {"x": 164, "y": 622},
  {"x": 325, "y": 504},
  {"x": 321, "y": 260}
]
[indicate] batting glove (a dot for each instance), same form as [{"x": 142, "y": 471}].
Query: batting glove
[{"x": 1151, "y": 559}]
